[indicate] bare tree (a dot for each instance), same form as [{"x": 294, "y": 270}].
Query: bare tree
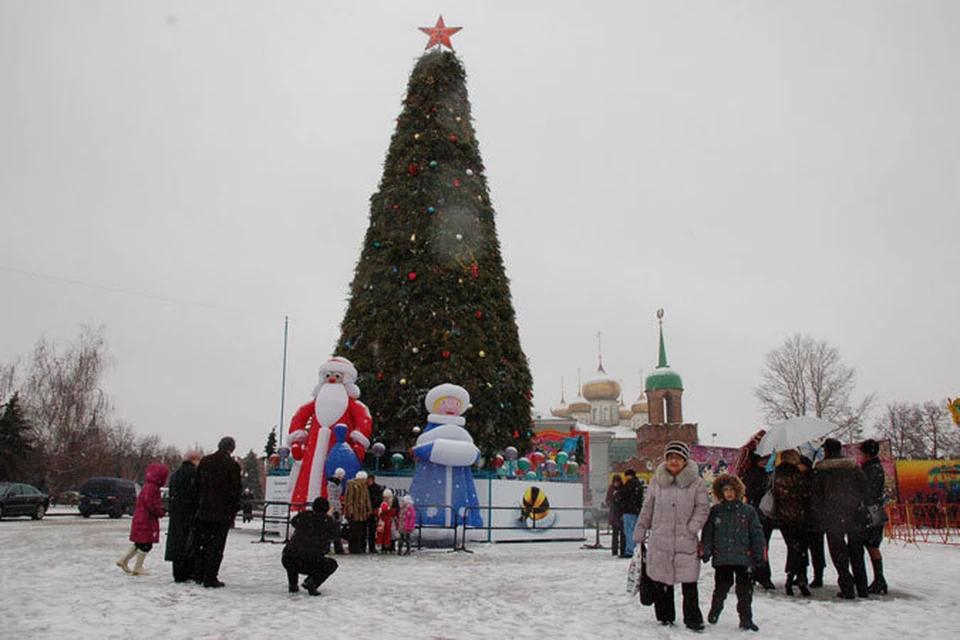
[
  {"x": 120, "y": 449},
  {"x": 146, "y": 450},
  {"x": 75, "y": 436},
  {"x": 939, "y": 433},
  {"x": 8, "y": 377},
  {"x": 65, "y": 404},
  {"x": 900, "y": 424},
  {"x": 919, "y": 431},
  {"x": 806, "y": 377}
]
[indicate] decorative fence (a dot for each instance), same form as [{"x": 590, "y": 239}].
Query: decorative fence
[{"x": 913, "y": 523}]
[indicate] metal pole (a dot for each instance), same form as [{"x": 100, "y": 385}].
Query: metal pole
[{"x": 283, "y": 380}]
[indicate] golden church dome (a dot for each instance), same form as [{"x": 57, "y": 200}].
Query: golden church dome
[
  {"x": 563, "y": 411},
  {"x": 602, "y": 389}
]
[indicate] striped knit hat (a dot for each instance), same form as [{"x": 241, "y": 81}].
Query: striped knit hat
[{"x": 679, "y": 448}]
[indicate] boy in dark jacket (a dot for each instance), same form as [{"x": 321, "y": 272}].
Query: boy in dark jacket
[
  {"x": 733, "y": 539},
  {"x": 306, "y": 550}
]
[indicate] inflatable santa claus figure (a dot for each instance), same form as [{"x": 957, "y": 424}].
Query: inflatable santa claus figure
[{"x": 335, "y": 401}]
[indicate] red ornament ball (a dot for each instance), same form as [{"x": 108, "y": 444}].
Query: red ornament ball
[
  {"x": 395, "y": 207},
  {"x": 412, "y": 276},
  {"x": 479, "y": 314},
  {"x": 413, "y": 169},
  {"x": 445, "y": 354},
  {"x": 379, "y": 376},
  {"x": 453, "y": 138}
]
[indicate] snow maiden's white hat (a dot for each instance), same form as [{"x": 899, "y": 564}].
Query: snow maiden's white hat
[{"x": 447, "y": 390}]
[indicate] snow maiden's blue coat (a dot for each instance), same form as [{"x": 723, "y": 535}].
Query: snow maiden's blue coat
[{"x": 444, "y": 453}]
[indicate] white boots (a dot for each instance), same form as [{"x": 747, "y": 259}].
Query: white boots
[
  {"x": 138, "y": 569},
  {"x": 122, "y": 562}
]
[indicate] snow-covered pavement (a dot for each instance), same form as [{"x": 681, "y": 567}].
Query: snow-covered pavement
[{"x": 58, "y": 580}]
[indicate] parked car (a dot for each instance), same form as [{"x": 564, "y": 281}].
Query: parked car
[
  {"x": 108, "y": 496},
  {"x": 19, "y": 499}
]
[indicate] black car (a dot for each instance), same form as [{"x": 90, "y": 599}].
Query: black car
[
  {"x": 19, "y": 499},
  {"x": 110, "y": 496}
]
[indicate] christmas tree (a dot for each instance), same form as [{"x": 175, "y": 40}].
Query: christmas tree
[{"x": 430, "y": 301}]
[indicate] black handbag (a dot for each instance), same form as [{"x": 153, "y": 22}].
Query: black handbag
[{"x": 647, "y": 586}]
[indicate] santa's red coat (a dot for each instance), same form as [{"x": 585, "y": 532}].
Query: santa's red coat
[{"x": 356, "y": 417}]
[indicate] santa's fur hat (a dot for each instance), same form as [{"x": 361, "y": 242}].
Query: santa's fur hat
[
  {"x": 444, "y": 390},
  {"x": 342, "y": 366}
]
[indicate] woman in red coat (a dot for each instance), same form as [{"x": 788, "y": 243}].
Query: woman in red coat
[{"x": 145, "y": 528}]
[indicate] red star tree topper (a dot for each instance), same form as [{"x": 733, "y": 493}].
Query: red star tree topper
[{"x": 440, "y": 34}]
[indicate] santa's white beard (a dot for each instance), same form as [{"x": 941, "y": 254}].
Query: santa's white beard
[{"x": 330, "y": 404}]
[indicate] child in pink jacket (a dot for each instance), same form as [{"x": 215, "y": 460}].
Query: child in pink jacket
[
  {"x": 407, "y": 522},
  {"x": 145, "y": 528}
]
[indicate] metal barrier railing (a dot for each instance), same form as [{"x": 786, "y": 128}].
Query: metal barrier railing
[
  {"x": 588, "y": 522},
  {"x": 924, "y": 522},
  {"x": 279, "y": 513}
]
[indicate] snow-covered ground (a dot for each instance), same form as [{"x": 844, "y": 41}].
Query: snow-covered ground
[{"x": 58, "y": 580}]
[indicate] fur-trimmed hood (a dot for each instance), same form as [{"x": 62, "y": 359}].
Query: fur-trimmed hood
[
  {"x": 687, "y": 476},
  {"x": 836, "y": 463},
  {"x": 721, "y": 481}
]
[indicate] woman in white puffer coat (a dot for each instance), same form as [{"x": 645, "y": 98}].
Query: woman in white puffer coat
[{"x": 674, "y": 511}]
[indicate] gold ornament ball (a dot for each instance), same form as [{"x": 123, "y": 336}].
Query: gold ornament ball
[
  {"x": 482, "y": 354},
  {"x": 403, "y": 381}
]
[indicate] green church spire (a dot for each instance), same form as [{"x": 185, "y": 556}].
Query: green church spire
[
  {"x": 663, "y": 377},
  {"x": 663, "y": 349}
]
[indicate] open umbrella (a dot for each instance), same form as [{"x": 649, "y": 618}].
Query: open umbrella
[{"x": 792, "y": 433}]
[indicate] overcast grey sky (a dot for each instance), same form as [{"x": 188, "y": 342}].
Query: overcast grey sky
[{"x": 187, "y": 173}]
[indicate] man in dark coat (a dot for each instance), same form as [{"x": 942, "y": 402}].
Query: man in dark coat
[
  {"x": 631, "y": 500},
  {"x": 183, "y": 508},
  {"x": 839, "y": 489},
  {"x": 218, "y": 487},
  {"x": 376, "y": 497},
  {"x": 306, "y": 551}
]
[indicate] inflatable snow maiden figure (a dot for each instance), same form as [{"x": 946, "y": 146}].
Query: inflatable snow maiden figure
[
  {"x": 444, "y": 453},
  {"x": 335, "y": 401}
]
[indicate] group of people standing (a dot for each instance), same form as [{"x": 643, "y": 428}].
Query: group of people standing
[
  {"x": 680, "y": 528},
  {"x": 373, "y": 514},
  {"x": 205, "y": 496},
  {"x": 204, "y": 499}
]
